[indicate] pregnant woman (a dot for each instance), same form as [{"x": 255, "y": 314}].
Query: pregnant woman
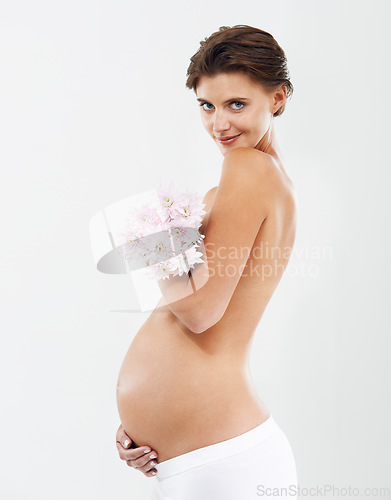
[{"x": 185, "y": 393}]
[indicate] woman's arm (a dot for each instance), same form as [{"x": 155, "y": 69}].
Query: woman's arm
[{"x": 239, "y": 209}]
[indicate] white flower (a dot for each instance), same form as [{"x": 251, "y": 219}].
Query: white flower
[
  {"x": 179, "y": 211},
  {"x": 192, "y": 257}
]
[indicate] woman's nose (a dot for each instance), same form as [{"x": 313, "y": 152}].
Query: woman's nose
[{"x": 220, "y": 123}]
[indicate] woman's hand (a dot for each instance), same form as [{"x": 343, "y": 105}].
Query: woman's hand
[{"x": 141, "y": 458}]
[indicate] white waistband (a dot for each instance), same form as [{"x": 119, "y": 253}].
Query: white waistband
[{"x": 217, "y": 451}]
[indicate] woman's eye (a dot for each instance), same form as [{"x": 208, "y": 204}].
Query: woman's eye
[
  {"x": 241, "y": 104},
  {"x": 208, "y": 104}
]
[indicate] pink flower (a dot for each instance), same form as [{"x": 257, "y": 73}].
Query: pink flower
[{"x": 175, "y": 210}]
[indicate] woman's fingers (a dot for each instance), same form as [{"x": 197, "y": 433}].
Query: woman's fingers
[
  {"x": 144, "y": 463},
  {"x": 151, "y": 473},
  {"x": 123, "y": 438},
  {"x": 141, "y": 458}
]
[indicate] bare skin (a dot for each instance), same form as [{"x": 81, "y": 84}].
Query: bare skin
[
  {"x": 141, "y": 458},
  {"x": 178, "y": 391}
]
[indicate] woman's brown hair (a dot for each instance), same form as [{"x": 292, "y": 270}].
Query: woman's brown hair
[{"x": 245, "y": 49}]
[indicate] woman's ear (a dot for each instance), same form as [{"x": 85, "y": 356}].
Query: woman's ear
[{"x": 279, "y": 98}]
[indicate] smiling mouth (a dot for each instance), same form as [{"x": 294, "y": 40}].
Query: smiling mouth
[{"x": 228, "y": 140}]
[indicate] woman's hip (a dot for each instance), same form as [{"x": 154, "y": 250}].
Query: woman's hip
[{"x": 253, "y": 464}]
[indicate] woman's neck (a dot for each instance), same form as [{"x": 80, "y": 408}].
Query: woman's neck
[{"x": 268, "y": 144}]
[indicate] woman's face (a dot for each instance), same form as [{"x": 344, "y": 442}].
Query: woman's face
[{"x": 233, "y": 105}]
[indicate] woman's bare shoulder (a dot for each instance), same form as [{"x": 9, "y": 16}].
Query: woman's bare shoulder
[
  {"x": 256, "y": 164},
  {"x": 261, "y": 167},
  {"x": 270, "y": 179},
  {"x": 250, "y": 155},
  {"x": 209, "y": 197}
]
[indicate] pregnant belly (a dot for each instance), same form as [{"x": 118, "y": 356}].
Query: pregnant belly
[{"x": 175, "y": 395}]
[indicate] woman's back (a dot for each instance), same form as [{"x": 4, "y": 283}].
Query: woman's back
[{"x": 178, "y": 391}]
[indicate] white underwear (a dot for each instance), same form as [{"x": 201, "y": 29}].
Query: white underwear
[{"x": 256, "y": 464}]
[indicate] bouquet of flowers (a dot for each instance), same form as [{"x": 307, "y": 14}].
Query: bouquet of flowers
[{"x": 163, "y": 235}]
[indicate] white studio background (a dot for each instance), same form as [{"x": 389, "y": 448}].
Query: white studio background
[{"x": 94, "y": 108}]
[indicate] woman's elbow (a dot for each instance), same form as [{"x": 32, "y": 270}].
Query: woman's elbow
[{"x": 204, "y": 322}]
